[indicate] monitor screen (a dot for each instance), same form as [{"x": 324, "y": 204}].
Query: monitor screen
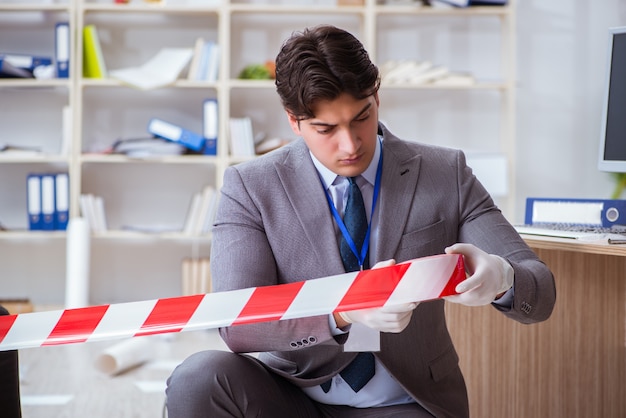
[{"x": 612, "y": 156}]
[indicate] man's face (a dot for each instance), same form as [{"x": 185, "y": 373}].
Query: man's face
[{"x": 342, "y": 135}]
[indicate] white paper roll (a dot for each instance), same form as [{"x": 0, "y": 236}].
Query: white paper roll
[
  {"x": 125, "y": 355},
  {"x": 77, "y": 264}
]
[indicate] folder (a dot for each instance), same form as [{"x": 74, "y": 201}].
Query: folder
[
  {"x": 62, "y": 201},
  {"x": 62, "y": 49},
  {"x": 93, "y": 60},
  {"x": 33, "y": 202},
  {"x": 210, "y": 126},
  {"x": 171, "y": 132},
  {"x": 47, "y": 201}
]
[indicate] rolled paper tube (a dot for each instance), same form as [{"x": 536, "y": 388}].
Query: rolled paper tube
[
  {"x": 125, "y": 355},
  {"x": 77, "y": 263}
]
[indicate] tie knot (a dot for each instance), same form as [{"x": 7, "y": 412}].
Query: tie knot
[{"x": 352, "y": 180}]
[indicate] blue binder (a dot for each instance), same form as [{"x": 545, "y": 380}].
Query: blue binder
[
  {"x": 33, "y": 202},
  {"x": 62, "y": 49},
  {"x": 210, "y": 128},
  {"x": 596, "y": 212},
  {"x": 26, "y": 61},
  {"x": 47, "y": 202},
  {"x": 171, "y": 132},
  {"x": 61, "y": 201}
]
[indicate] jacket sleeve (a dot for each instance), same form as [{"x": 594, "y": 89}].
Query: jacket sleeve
[
  {"x": 242, "y": 257},
  {"x": 483, "y": 225}
]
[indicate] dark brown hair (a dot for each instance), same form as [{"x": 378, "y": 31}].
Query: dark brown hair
[{"x": 320, "y": 63}]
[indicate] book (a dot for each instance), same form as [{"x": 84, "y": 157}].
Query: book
[
  {"x": 93, "y": 59},
  {"x": 206, "y": 213},
  {"x": 92, "y": 209},
  {"x": 208, "y": 64},
  {"x": 241, "y": 139},
  {"x": 194, "y": 65},
  {"x": 192, "y": 214}
]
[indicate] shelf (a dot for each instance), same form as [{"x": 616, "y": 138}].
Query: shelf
[{"x": 159, "y": 190}]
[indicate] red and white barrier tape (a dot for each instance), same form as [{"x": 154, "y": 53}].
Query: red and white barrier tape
[{"x": 417, "y": 280}]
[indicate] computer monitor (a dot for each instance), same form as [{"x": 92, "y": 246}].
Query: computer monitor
[{"x": 612, "y": 156}]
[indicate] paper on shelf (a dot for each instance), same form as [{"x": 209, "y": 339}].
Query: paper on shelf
[{"x": 161, "y": 70}]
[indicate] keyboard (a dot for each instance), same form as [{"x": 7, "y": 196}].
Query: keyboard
[{"x": 615, "y": 235}]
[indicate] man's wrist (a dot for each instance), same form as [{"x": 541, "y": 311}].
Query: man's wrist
[{"x": 340, "y": 321}]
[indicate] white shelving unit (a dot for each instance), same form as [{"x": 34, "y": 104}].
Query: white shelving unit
[{"x": 155, "y": 193}]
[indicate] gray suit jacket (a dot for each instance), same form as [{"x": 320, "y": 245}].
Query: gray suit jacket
[{"x": 274, "y": 226}]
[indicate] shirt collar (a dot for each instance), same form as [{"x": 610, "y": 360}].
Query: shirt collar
[{"x": 328, "y": 177}]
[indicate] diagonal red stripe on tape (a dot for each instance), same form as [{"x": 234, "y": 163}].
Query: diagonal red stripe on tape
[
  {"x": 268, "y": 303},
  {"x": 170, "y": 315},
  {"x": 372, "y": 288},
  {"x": 76, "y": 325},
  {"x": 457, "y": 276},
  {"x": 6, "y": 322}
]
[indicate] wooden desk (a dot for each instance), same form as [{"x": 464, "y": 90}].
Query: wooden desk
[{"x": 573, "y": 364}]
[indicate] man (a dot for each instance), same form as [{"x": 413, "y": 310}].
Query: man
[{"x": 280, "y": 220}]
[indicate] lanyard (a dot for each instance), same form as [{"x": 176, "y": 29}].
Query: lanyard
[{"x": 342, "y": 226}]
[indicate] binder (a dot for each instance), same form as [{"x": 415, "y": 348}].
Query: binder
[
  {"x": 93, "y": 60},
  {"x": 62, "y": 201},
  {"x": 33, "y": 202},
  {"x": 210, "y": 126},
  {"x": 47, "y": 201},
  {"x": 62, "y": 49},
  {"x": 593, "y": 212},
  {"x": 171, "y": 132},
  {"x": 26, "y": 61},
  {"x": 8, "y": 70}
]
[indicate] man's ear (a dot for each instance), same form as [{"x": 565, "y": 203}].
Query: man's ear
[{"x": 294, "y": 123}]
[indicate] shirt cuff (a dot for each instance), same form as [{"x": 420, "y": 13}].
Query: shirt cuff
[{"x": 506, "y": 301}]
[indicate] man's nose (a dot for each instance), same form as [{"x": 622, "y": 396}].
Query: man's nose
[{"x": 348, "y": 141}]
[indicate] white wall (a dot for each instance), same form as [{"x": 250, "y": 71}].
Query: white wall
[{"x": 561, "y": 58}]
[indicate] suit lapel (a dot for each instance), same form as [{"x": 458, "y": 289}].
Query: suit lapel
[
  {"x": 301, "y": 183},
  {"x": 398, "y": 184}
]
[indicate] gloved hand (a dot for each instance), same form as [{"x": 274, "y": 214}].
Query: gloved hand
[
  {"x": 384, "y": 319},
  {"x": 490, "y": 275}
]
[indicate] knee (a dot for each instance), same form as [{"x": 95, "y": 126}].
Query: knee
[
  {"x": 193, "y": 382},
  {"x": 196, "y": 372}
]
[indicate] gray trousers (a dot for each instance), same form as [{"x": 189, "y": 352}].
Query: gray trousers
[{"x": 219, "y": 384}]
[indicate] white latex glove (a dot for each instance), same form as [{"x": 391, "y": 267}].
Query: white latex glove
[
  {"x": 385, "y": 319},
  {"x": 489, "y": 275}
]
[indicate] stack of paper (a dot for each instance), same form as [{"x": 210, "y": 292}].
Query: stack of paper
[{"x": 161, "y": 70}]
